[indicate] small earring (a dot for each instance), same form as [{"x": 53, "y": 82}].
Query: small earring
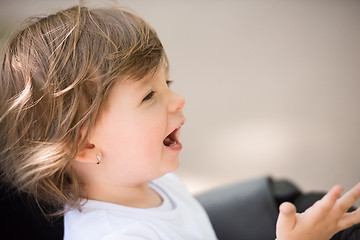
[{"x": 98, "y": 158}]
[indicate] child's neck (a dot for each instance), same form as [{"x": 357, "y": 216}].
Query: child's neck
[{"x": 140, "y": 196}]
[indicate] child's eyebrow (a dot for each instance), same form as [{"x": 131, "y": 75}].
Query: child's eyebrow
[
  {"x": 139, "y": 85},
  {"x": 142, "y": 83}
]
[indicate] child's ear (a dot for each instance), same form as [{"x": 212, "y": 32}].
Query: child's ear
[{"x": 88, "y": 153}]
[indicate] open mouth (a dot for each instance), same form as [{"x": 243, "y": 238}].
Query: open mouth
[{"x": 172, "y": 138}]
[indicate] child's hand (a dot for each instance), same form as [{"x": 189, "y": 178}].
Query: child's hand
[{"x": 321, "y": 221}]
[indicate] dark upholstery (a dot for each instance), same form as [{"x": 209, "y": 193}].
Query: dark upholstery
[
  {"x": 248, "y": 210},
  {"x": 21, "y": 218},
  {"x": 242, "y": 211}
]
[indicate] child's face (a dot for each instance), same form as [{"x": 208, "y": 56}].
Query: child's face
[{"x": 131, "y": 132}]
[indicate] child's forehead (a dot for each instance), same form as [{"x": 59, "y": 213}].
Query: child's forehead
[
  {"x": 139, "y": 84},
  {"x": 160, "y": 72}
]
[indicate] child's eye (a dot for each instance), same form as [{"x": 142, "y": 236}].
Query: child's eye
[
  {"x": 169, "y": 82},
  {"x": 149, "y": 96}
]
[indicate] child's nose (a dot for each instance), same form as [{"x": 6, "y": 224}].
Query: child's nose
[{"x": 177, "y": 102}]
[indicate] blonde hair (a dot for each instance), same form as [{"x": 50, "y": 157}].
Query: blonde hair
[{"x": 56, "y": 75}]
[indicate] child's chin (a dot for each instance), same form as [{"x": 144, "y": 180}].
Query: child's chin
[{"x": 173, "y": 165}]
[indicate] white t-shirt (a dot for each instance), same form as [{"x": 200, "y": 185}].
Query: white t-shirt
[{"x": 180, "y": 217}]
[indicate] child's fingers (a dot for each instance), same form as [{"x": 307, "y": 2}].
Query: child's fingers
[
  {"x": 349, "y": 198},
  {"x": 329, "y": 200},
  {"x": 349, "y": 219},
  {"x": 287, "y": 217}
]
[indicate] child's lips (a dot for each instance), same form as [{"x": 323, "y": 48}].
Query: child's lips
[
  {"x": 172, "y": 140},
  {"x": 173, "y": 145},
  {"x": 176, "y": 146}
]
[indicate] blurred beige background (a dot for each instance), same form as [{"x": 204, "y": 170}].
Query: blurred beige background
[{"x": 272, "y": 86}]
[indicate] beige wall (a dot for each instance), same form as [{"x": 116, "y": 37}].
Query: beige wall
[{"x": 272, "y": 86}]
